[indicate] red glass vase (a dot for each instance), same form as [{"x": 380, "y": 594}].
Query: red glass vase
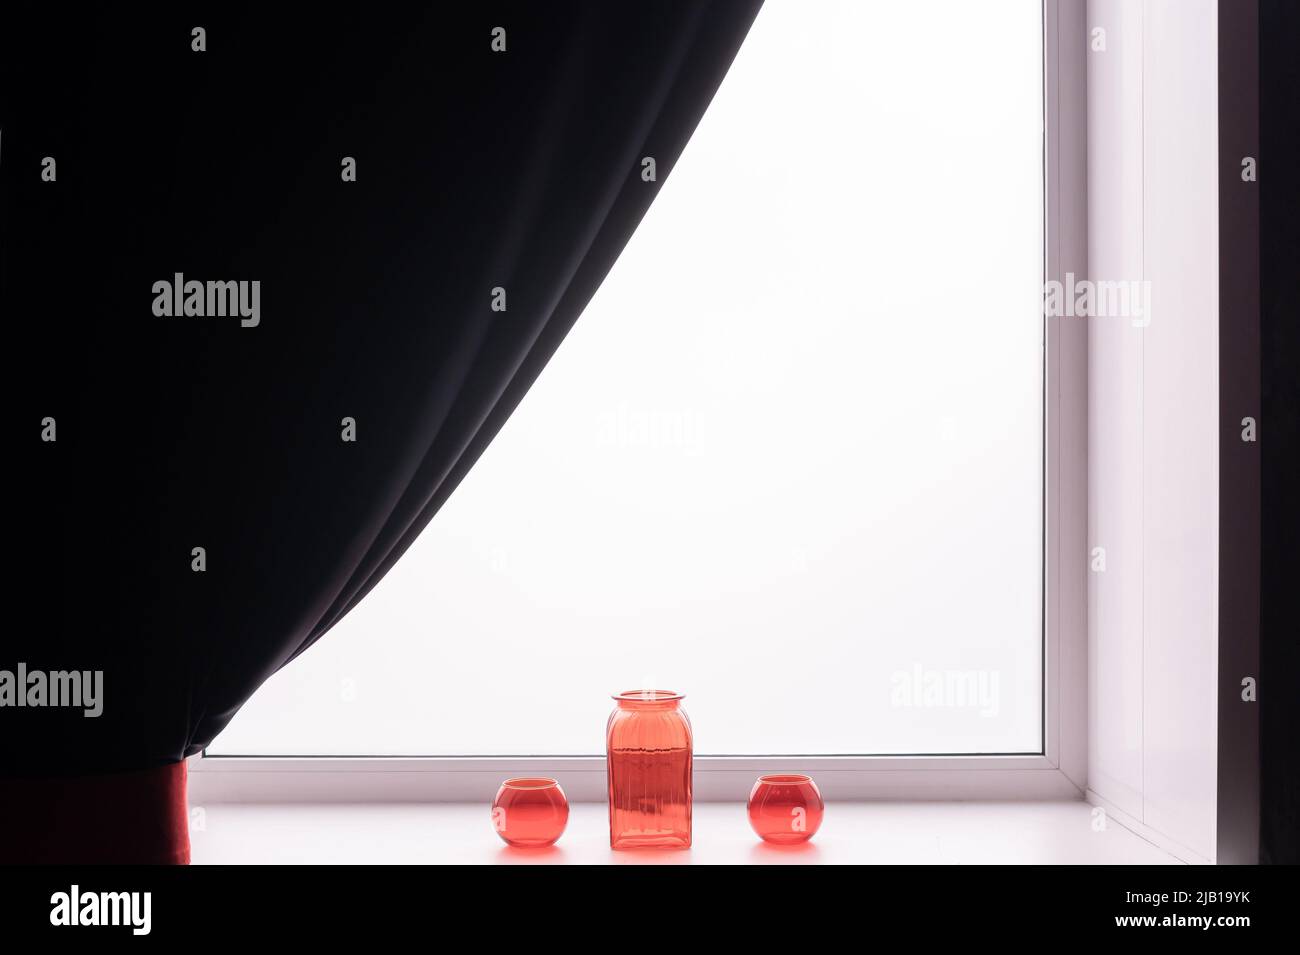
[
  {"x": 530, "y": 813},
  {"x": 648, "y": 743},
  {"x": 786, "y": 809}
]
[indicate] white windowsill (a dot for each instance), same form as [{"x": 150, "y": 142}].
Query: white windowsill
[{"x": 1048, "y": 832}]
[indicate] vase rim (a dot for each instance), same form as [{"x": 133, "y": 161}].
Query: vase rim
[
  {"x": 530, "y": 782},
  {"x": 648, "y": 696},
  {"x": 787, "y": 779}
]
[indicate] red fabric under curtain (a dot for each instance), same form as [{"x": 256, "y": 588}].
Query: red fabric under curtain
[{"x": 137, "y": 818}]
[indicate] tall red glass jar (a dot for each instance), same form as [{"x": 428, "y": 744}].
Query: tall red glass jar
[{"x": 648, "y": 742}]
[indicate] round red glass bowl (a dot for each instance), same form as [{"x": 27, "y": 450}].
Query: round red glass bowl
[
  {"x": 786, "y": 808},
  {"x": 530, "y": 813}
]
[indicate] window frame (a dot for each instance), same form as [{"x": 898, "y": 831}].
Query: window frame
[{"x": 1059, "y": 771}]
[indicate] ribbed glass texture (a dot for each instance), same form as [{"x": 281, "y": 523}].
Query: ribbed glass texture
[{"x": 648, "y": 743}]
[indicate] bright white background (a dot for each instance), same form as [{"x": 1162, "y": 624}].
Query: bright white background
[{"x": 788, "y": 462}]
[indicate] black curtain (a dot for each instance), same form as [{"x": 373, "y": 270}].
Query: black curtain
[
  {"x": 476, "y": 169},
  {"x": 1279, "y": 442}
]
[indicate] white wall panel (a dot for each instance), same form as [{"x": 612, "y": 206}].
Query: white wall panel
[
  {"x": 1153, "y": 408},
  {"x": 1180, "y": 443},
  {"x": 1115, "y": 413}
]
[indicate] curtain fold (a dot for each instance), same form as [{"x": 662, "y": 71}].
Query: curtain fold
[
  {"x": 476, "y": 169},
  {"x": 425, "y": 491}
]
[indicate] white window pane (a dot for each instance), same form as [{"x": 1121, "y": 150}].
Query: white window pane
[{"x": 788, "y": 462}]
